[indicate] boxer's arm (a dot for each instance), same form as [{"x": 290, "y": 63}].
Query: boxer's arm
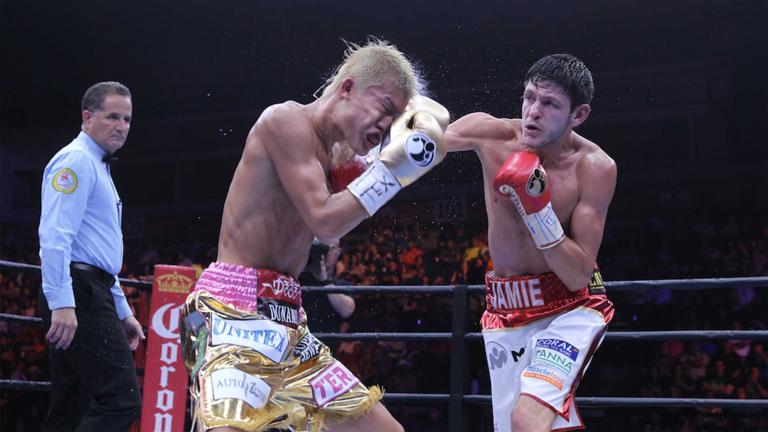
[
  {"x": 478, "y": 130},
  {"x": 292, "y": 148},
  {"x": 573, "y": 260},
  {"x": 343, "y": 304},
  {"x": 415, "y": 145},
  {"x": 63, "y": 210}
]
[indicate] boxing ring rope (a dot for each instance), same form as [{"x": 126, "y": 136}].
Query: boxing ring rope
[
  {"x": 610, "y": 336},
  {"x": 412, "y": 337},
  {"x": 459, "y": 336},
  {"x": 596, "y": 402}
]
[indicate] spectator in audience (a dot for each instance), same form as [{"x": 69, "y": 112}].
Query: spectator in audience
[
  {"x": 693, "y": 361},
  {"x": 717, "y": 382}
]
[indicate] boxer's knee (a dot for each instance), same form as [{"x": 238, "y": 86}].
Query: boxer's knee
[{"x": 530, "y": 415}]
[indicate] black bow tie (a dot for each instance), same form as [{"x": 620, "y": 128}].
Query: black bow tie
[{"x": 109, "y": 159}]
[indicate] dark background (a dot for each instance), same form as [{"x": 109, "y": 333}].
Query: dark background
[
  {"x": 680, "y": 96},
  {"x": 200, "y": 58}
]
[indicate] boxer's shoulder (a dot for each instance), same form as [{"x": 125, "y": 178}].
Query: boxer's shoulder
[
  {"x": 504, "y": 129},
  {"x": 585, "y": 146},
  {"x": 515, "y": 124},
  {"x": 286, "y": 122},
  {"x": 481, "y": 121},
  {"x": 479, "y": 131},
  {"x": 279, "y": 115},
  {"x": 592, "y": 157},
  {"x": 505, "y": 137}
]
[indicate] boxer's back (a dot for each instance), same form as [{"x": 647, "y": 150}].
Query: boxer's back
[{"x": 261, "y": 227}]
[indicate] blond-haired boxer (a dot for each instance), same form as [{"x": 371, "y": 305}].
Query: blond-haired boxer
[{"x": 255, "y": 365}]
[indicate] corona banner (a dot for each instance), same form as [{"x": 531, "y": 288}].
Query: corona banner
[{"x": 165, "y": 377}]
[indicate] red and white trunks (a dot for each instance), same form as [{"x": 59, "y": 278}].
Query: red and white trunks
[{"x": 539, "y": 339}]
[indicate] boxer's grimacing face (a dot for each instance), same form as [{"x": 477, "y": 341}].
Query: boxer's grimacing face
[{"x": 375, "y": 108}]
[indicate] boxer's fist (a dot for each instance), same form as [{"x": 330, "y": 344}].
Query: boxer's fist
[
  {"x": 416, "y": 141},
  {"x": 414, "y": 145},
  {"x": 315, "y": 271},
  {"x": 417, "y": 103},
  {"x": 524, "y": 181},
  {"x": 423, "y": 103},
  {"x": 522, "y": 174}
]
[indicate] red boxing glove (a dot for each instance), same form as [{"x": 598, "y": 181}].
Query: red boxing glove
[
  {"x": 343, "y": 174},
  {"x": 524, "y": 181}
]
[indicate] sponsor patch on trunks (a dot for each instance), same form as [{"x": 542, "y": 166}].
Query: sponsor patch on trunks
[
  {"x": 515, "y": 294},
  {"x": 560, "y": 346},
  {"x": 547, "y": 357},
  {"x": 332, "y": 382},
  {"x": 596, "y": 285},
  {"x": 308, "y": 347},
  {"x": 282, "y": 312},
  {"x": 264, "y": 336},
  {"x": 236, "y": 384},
  {"x": 497, "y": 355},
  {"x": 547, "y": 375},
  {"x": 279, "y": 287}
]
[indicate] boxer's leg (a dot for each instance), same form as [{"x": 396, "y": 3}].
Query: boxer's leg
[{"x": 560, "y": 355}]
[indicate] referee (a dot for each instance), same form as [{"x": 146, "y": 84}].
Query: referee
[{"x": 91, "y": 328}]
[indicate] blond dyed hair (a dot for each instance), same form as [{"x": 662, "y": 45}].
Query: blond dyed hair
[{"x": 373, "y": 63}]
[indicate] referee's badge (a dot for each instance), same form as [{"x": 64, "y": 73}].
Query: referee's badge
[{"x": 65, "y": 180}]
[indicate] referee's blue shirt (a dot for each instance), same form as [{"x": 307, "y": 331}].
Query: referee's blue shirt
[{"x": 80, "y": 221}]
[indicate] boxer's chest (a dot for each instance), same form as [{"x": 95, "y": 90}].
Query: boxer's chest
[
  {"x": 562, "y": 179},
  {"x": 564, "y": 186}
]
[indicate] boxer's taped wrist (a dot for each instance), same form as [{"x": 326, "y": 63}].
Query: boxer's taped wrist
[
  {"x": 551, "y": 245},
  {"x": 375, "y": 187},
  {"x": 545, "y": 227}
]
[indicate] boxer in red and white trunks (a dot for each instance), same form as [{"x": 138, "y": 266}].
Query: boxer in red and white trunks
[
  {"x": 547, "y": 192},
  {"x": 254, "y": 363}
]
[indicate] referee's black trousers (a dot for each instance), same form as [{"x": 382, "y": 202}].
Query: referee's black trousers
[{"x": 93, "y": 382}]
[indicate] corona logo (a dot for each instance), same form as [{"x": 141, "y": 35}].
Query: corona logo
[
  {"x": 165, "y": 380},
  {"x": 167, "y": 327},
  {"x": 175, "y": 283}
]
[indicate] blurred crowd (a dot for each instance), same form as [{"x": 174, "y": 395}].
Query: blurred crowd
[{"x": 399, "y": 252}]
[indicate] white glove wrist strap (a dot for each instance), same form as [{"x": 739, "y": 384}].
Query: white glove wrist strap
[
  {"x": 375, "y": 187},
  {"x": 543, "y": 225}
]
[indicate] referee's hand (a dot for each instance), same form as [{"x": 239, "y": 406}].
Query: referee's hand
[
  {"x": 63, "y": 327},
  {"x": 133, "y": 332}
]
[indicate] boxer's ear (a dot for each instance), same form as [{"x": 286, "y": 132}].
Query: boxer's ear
[
  {"x": 346, "y": 87},
  {"x": 579, "y": 115}
]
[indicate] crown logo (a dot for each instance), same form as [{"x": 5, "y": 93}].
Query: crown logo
[{"x": 174, "y": 282}]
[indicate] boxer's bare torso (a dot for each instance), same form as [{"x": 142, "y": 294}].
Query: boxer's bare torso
[
  {"x": 280, "y": 197},
  {"x": 261, "y": 227},
  {"x": 572, "y": 165}
]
